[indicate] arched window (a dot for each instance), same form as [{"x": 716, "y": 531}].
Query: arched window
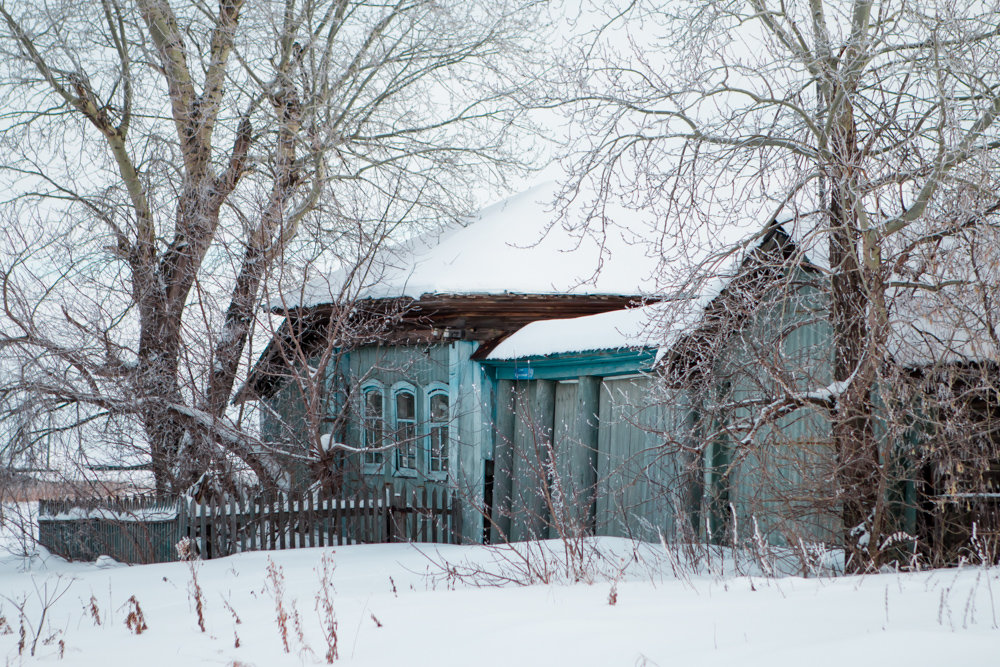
[
  {"x": 405, "y": 428},
  {"x": 438, "y": 405},
  {"x": 372, "y": 424}
]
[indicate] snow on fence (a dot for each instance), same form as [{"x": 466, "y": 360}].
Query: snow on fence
[{"x": 146, "y": 529}]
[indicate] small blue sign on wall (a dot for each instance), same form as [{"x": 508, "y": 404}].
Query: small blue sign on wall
[{"x": 524, "y": 373}]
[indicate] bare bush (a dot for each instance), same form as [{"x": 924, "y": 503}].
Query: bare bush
[{"x": 324, "y": 606}]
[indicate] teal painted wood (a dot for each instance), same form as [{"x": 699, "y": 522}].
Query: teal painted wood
[
  {"x": 613, "y": 446},
  {"x": 587, "y": 432},
  {"x": 637, "y": 474},
  {"x": 503, "y": 463},
  {"x": 416, "y": 366},
  {"x": 284, "y": 423},
  {"x": 605, "y": 363},
  {"x": 525, "y": 478},
  {"x": 775, "y": 483},
  {"x": 471, "y": 435},
  {"x": 565, "y": 487}
]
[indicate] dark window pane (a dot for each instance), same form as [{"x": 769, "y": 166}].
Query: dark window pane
[
  {"x": 405, "y": 405},
  {"x": 371, "y": 425},
  {"x": 373, "y": 403},
  {"x": 439, "y": 408}
]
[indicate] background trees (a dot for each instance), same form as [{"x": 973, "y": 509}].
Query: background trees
[
  {"x": 163, "y": 160},
  {"x": 872, "y": 126}
]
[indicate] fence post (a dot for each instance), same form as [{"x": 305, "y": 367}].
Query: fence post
[
  {"x": 214, "y": 528},
  {"x": 206, "y": 546},
  {"x": 282, "y": 521},
  {"x": 390, "y": 530},
  {"x": 456, "y": 519},
  {"x": 435, "y": 516},
  {"x": 182, "y": 524},
  {"x": 311, "y": 519}
]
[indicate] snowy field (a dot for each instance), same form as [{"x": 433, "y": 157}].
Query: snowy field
[{"x": 395, "y": 606}]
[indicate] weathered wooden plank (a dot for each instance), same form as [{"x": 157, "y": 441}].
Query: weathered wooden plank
[
  {"x": 253, "y": 520},
  {"x": 339, "y": 518},
  {"x": 586, "y": 431},
  {"x": 282, "y": 520},
  {"x": 435, "y": 516},
  {"x": 217, "y": 529},
  {"x": 370, "y": 514},
  {"x": 311, "y": 526},
  {"x": 366, "y": 514},
  {"x": 453, "y": 519},
  {"x": 356, "y": 522},
  {"x": 265, "y": 521},
  {"x": 413, "y": 518},
  {"x": 426, "y": 517},
  {"x": 204, "y": 547},
  {"x": 234, "y": 532},
  {"x": 294, "y": 521},
  {"x": 302, "y": 524},
  {"x": 322, "y": 522},
  {"x": 503, "y": 461}
]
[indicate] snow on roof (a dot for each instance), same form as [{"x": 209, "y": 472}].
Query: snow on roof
[
  {"x": 517, "y": 246},
  {"x": 709, "y": 267},
  {"x": 618, "y": 329},
  {"x": 929, "y": 339},
  {"x": 942, "y": 327}
]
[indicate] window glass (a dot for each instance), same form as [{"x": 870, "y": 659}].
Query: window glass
[
  {"x": 438, "y": 455},
  {"x": 372, "y": 424},
  {"x": 406, "y": 430}
]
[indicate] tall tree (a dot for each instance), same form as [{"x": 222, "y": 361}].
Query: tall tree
[
  {"x": 164, "y": 158},
  {"x": 878, "y": 120}
]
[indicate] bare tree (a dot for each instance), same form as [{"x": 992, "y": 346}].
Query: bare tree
[
  {"x": 163, "y": 159},
  {"x": 874, "y": 121}
]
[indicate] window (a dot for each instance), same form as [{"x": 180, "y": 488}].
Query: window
[
  {"x": 437, "y": 454},
  {"x": 372, "y": 425},
  {"x": 405, "y": 414}
]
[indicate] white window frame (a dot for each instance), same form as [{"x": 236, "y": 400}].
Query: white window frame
[
  {"x": 431, "y": 390},
  {"x": 414, "y": 444},
  {"x": 377, "y": 465}
]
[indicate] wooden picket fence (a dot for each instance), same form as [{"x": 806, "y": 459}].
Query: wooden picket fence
[
  {"x": 147, "y": 529},
  {"x": 133, "y": 529}
]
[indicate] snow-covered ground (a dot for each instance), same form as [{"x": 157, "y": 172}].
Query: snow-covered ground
[{"x": 396, "y": 605}]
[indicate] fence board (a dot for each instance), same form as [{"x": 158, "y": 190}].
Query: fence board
[
  {"x": 311, "y": 520},
  {"x": 282, "y": 521},
  {"x": 339, "y": 519},
  {"x": 251, "y": 522},
  {"x": 234, "y": 532},
  {"x": 203, "y": 546}
]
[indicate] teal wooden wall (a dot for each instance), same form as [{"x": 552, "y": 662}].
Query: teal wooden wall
[
  {"x": 678, "y": 462},
  {"x": 637, "y": 473},
  {"x": 418, "y": 367},
  {"x": 778, "y": 482}
]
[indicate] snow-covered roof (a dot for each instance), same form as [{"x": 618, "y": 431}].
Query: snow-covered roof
[
  {"x": 517, "y": 246},
  {"x": 618, "y": 329},
  {"x": 711, "y": 266},
  {"x": 940, "y": 328}
]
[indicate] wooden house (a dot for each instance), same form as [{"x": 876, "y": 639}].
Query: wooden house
[
  {"x": 414, "y": 402},
  {"x": 632, "y": 421}
]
